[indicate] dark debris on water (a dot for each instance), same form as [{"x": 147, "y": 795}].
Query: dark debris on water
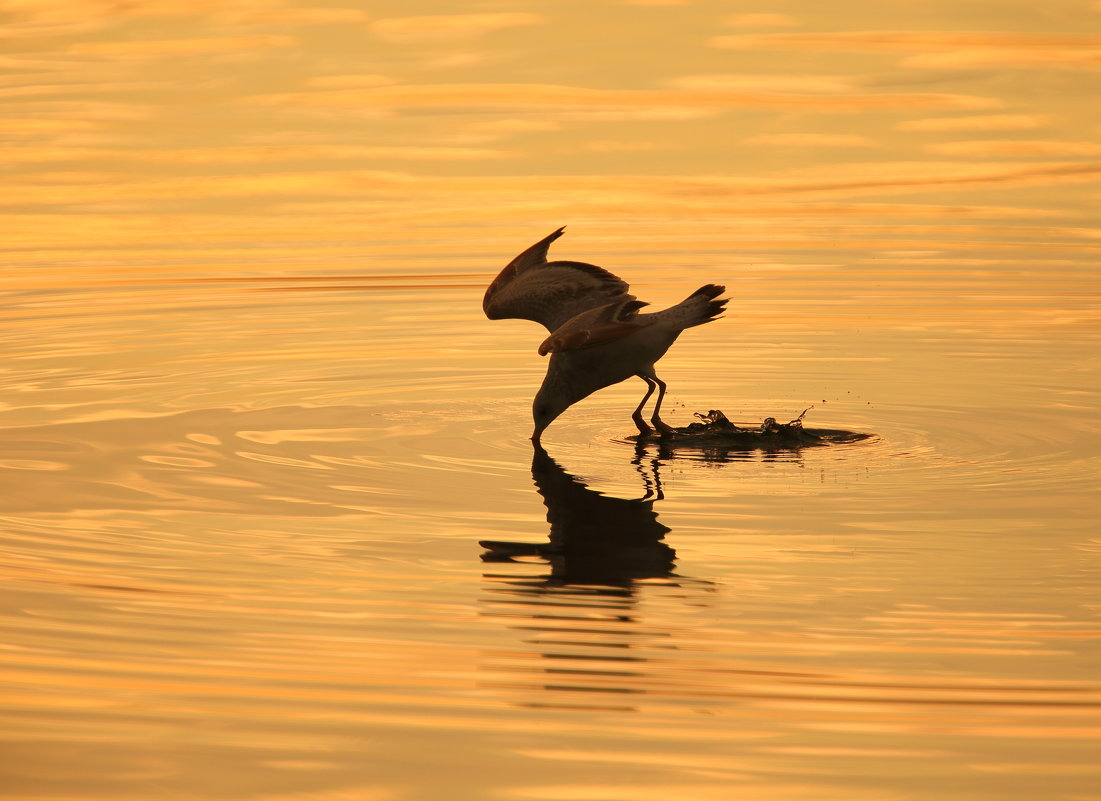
[{"x": 714, "y": 429}]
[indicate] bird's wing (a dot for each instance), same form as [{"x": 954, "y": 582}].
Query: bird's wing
[
  {"x": 550, "y": 293},
  {"x": 597, "y": 326}
]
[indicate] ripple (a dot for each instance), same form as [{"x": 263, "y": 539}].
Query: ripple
[
  {"x": 31, "y": 464},
  {"x": 333, "y": 529}
]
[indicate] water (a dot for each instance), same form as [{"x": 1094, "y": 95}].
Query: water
[
  {"x": 242, "y": 555},
  {"x": 272, "y": 526}
]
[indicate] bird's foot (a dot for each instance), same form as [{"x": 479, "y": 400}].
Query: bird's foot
[{"x": 664, "y": 428}]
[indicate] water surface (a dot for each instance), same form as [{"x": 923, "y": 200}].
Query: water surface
[{"x": 272, "y": 528}]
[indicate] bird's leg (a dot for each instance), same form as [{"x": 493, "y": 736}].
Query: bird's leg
[
  {"x": 643, "y": 429},
  {"x": 665, "y": 429}
]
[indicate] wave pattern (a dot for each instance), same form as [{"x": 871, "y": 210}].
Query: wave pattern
[{"x": 303, "y": 533}]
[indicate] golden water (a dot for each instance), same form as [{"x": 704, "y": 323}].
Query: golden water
[{"x": 254, "y": 426}]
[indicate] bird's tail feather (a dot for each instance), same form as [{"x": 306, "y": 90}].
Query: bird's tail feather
[{"x": 703, "y": 305}]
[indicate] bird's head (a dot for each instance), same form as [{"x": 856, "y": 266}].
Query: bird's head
[{"x": 549, "y": 402}]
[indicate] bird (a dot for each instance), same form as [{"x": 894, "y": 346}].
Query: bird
[{"x": 598, "y": 337}]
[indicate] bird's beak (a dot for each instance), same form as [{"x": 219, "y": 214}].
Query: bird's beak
[{"x": 536, "y": 434}]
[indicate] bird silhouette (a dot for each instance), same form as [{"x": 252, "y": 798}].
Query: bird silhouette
[{"x": 597, "y": 335}]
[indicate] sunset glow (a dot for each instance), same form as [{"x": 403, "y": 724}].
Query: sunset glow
[{"x": 271, "y": 526}]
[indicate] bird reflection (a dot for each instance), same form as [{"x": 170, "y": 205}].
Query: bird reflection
[
  {"x": 593, "y": 644},
  {"x": 595, "y": 539}
]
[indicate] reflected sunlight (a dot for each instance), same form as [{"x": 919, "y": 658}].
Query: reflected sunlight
[
  {"x": 269, "y": 528},
  {"x": 174, "y": 115}
]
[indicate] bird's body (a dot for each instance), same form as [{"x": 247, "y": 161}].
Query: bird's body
[{"x": 597, "y": 335}]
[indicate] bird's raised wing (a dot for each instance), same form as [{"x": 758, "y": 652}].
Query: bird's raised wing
[{"x": 550, "y": 293}]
